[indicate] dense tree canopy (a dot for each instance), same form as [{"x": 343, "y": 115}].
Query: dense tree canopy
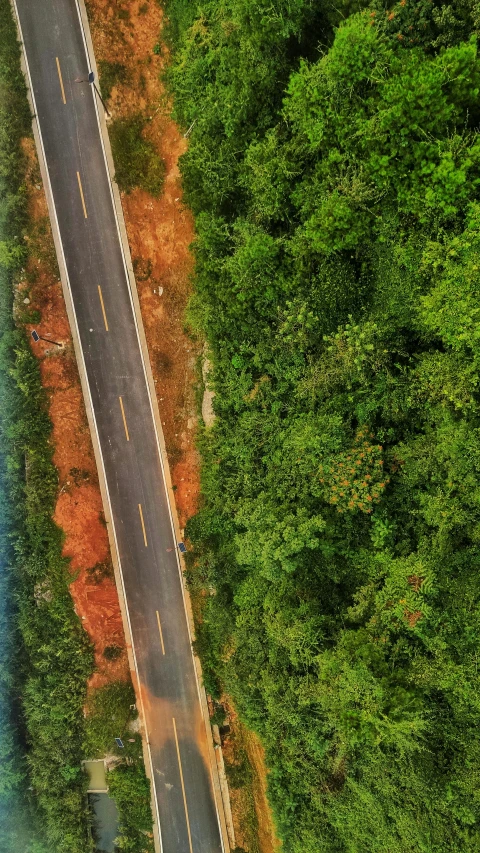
[{"x": 334, "y": 171}]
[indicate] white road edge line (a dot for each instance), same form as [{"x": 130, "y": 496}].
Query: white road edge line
[
  {"x": 89, "y": 397},
  {"x": 127, "y": 275}
]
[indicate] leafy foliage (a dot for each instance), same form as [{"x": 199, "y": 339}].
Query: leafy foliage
[
  {"x": 355, "y": 480},
  {"x": 333, "y": 169}
]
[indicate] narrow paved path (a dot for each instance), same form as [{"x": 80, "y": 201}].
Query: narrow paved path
[{"x": 84, "y": 207}]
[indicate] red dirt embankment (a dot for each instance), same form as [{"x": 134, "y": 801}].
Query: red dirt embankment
[
  {"x": 79, "y": 507},
  {"x": 160, "y": 230}
]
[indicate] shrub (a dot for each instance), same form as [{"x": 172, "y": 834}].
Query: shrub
[{"x": 112, "y": 652}]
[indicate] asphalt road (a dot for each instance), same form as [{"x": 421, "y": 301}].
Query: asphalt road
[{"x": 68, "y": 124}]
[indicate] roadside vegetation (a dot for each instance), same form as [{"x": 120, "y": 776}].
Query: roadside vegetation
[
  {"x": 334, "y": 173},
  {"x": 110, "y": 714},
  {"x": 45, "y": 655}
]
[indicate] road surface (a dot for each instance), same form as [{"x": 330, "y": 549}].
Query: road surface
[{"x": 56, "y": 57}]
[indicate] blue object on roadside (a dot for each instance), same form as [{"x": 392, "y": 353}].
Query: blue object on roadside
[
  {"x": 182, "y": 548},
  {"x": 119, "y": 742},
  {"x": 35, "y": 336}
]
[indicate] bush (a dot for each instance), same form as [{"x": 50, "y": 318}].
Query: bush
[{"x": 112, "y": 652}]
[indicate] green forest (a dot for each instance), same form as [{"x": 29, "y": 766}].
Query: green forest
[
  {"x": 333, "y": 169},
  {"x": 45, "y": 655}
]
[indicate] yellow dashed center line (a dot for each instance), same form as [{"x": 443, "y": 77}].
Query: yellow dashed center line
[
  {"x": 61, "y": 81},
  {"x": 81, "y": 194},
  {"x": 103, "y": 307},
  {"x": 160, "y": 632},
  {"x": 143, "y": 525},
  {"x": 128, "y": 437},
  {"x": 183, "y": 786}
]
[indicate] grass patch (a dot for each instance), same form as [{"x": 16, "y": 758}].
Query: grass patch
[
  {"x": 110, "y": 710},
  {"x": 137, "y": 163},
  {"x": 123, "y": 14},
  {"x": 112, "y": 652},
  {"x": 130, "y": 789},
  {"x": 240, "y": 776},
  {"x": 111, "y": 74}
]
